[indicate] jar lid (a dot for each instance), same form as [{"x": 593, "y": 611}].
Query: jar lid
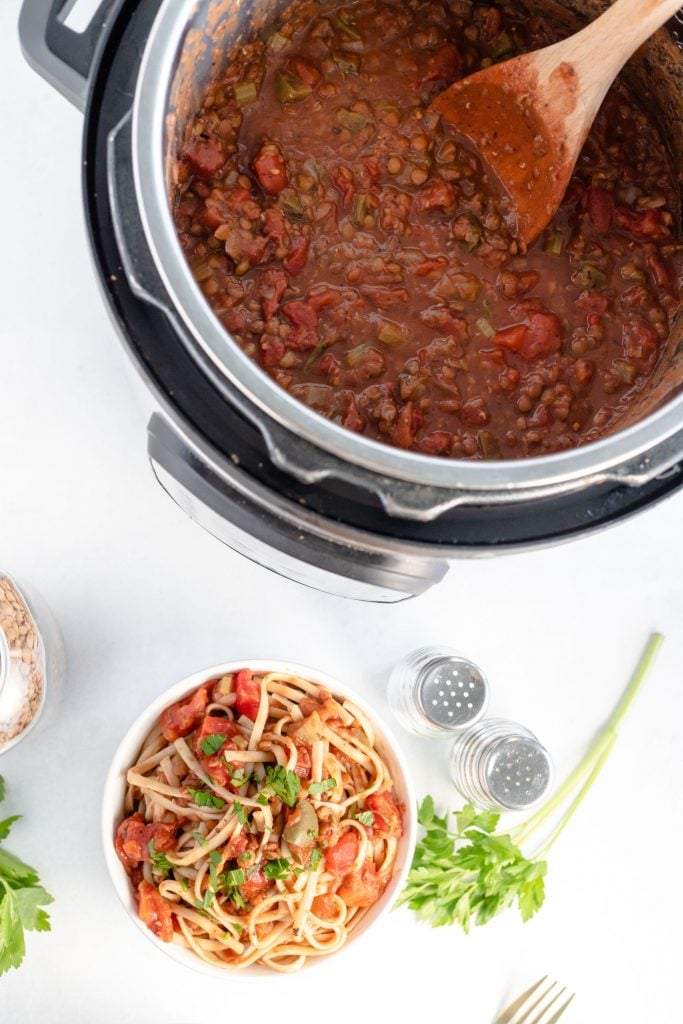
[
  {"x": 452, "y": 692},
  {"x": 517, "y": 772}
]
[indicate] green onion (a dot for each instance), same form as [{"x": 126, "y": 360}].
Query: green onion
[
  {"x": 485, "y": 327},
  {"x": 244, "y": 92},
  {"x": 554, "y": 244},
  {"x": 345, "y": 28},
  {"x": 352, "y": 119},
  {"x": 289, "y": 89},
  {"x": 587, "y": 275},
  {"x": 390, "y": 333},
  {"x": 360, "y": 208}
]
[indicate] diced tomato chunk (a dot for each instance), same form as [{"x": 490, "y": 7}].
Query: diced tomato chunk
[
  {"x": 248, "y": 693},
  {"x": 442, "y": 65},
  {"x": 301, "y": 314},
  {"x": 600, "y": 207},
  {"x": 640, "y": 341},
  {"x": 384, "y": 297},
  {"x": 134, "y": 835},
  {"x": 255, "y": 884},
  {"x": 362, "y": 888},
  {"x": 429, "y": 266},
  {"x": 216, "y": 725},
  {"x": 235, "y": 846},
  {"x": 304, "y": 71},
  {"x": 295, "y": 262},
  {"x": 274, "y": 224},
  {"x": 592, "y": 303},
  {"x": 182, "y": 717},
  {"x": 437, "y": 442},
  {"x": 272, "y": 350},
  {"x": 325, "y": 906},
  {"x": 387, "y": 817},
  {"x": 205, "y": 157},
  {"x": 659, "y": 271},
  {"x": 641, "y": 223},
  {"x": 407, "y": 423},
  {"x": 351, "y": 418},
  {"x": 340, "y": 857},
  {"x": 155, "y": 911},
  {"x": 544, "y": 336},
  {"x": 436, "y": 195},
  {"x": 273, "y": 286},
  {"x": 511, "y": 337},
  {"x": 474, "y": 413},
  {"x": 343, "y": 181},
  {"x": 270, "y": 169}
]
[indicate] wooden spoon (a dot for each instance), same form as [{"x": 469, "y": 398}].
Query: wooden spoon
[{"x": 529, "y": 117}]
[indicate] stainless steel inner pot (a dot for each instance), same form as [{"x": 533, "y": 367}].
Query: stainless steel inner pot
[{"x": 188, "y": 46}]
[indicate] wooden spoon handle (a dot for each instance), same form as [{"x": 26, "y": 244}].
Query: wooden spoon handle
[{"x": 606, "y": 44}]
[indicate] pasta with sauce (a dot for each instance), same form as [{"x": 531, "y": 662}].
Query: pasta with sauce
[{"x": 260, "y": 822}]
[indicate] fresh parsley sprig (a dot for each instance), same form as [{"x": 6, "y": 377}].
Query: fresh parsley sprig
[
  {"x": 282, "y": 783},
  {"x": 205, "y": 798},
  {"x": 21, "y": 901},
  {"x": 161, "y": 863},
  {"x": 470, "y": 873}
]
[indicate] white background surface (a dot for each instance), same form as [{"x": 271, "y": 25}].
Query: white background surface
[{"x": 144, "y": 597}]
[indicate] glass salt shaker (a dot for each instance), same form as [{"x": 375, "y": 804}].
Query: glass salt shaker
[
  {"x": 437, "y": 692},
  {"x": 32, "y": 661},
  {"x": 500, "y": 765}
]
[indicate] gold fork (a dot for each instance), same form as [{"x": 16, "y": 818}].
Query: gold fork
[{"x": 521, "y": 1010}]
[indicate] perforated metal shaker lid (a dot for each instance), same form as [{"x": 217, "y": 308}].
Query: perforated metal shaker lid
[
  {"x": 517, "y": 771},
  {"x": 452, "y": 692}
]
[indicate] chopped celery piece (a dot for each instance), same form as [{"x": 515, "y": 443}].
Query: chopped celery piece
[
  {"x": 349, "y": 63},
  {"x": 278, "y": 42},
  {"x": 354, "y": 355},
  {"x": 200, "y": 268},
  {"x": 627, "y": 371},
  {"x": 501, "y": 45},
  {"x": 587, "y": 275},
  {"x": 390, "y": 333},
  {"x": 485, "y": 327},
  {"x": 488, "y": 443},
  {"x": 245, "y": 92},
  {"x": 290, "y": 89},
  {"x": 554, "y": 244},
  {"x": 293, "y": 206},
  {"x": 352, "y": 119},
  {"x": 360, "y": 208},
  {"x": 347, "y": 29}
]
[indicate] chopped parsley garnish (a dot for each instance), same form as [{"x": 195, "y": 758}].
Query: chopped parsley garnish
[
  {"x": 215, "y": 858},
  {"x": 366, "y": 818},
  {"x": 280, "y": 782},
  {"x": 160, "y": 861},
  {"x": 231, "y": 879},
  {"x": 199, "y": 838},
  {"x": 240, "y": 812},
  {"x": 204, "y": 798},
  {"x": 184, "y": 884},
  {"x": 247, "y": 855},
  {"x": 212, "y": 744},
  {"x": 313, "y": 862},
  {"x": 321, "y": 787},
  {"x": 280, "y": 868},
  {"x": 238, "y": 776},
  {"x": 206, "y": 902}
]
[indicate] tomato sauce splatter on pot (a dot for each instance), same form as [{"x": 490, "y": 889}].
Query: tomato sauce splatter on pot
[{"x": 356, "y": 250}]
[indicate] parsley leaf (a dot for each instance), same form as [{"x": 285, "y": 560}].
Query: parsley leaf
[
  {"x": 213, "y": 743},
  {"x": 280, "y": 868},
  {"x": 231, "y": 879},
  {"x": 21, "y": 901},
  {"x": 160, "y": 861},
  {"x": 6, "y": 825},
  {"x": 366, "y": 818},
  {"x": 313, "y": 861},
  {"x": 240, "y": 812},
  {"x": 321, "y": 787},
  {"x": 238, "y": 776},
  {"x": 199, "y": 838},
  {"x": 280, "y": 782},
  {"x": 205, "y": 798}
]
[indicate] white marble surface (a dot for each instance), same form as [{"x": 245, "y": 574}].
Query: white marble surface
[{"x": 144, "y": 597}]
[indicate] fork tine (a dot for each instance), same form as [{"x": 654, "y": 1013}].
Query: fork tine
[
  {"x": 556, "y": 1016},
  {"x": 546, "y": 1007},
  {"x": 507, "y": 1014}
]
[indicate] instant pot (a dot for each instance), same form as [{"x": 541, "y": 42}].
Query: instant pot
[{"x": 260, "y": 471}]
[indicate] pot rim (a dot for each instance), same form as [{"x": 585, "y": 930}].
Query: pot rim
[{"x": 548, "y": 472}]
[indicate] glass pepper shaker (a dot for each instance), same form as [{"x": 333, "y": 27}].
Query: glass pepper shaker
[
  {"x": 500, "y": 765},
  {"x": 437, "y": 692}
]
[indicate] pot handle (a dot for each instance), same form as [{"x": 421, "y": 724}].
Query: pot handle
[{"x": 62, "y": 56}]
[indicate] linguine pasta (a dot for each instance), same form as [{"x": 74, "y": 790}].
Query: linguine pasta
[{"x": 260, "y": 822}]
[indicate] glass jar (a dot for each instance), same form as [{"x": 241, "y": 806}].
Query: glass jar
[{"x": 32, "y": 661}]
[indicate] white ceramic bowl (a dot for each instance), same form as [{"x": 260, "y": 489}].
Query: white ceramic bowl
[{"x": 126, "y": 756}]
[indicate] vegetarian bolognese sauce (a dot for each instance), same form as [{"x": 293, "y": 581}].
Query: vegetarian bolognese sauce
[{"x": 355, "y": 248}]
